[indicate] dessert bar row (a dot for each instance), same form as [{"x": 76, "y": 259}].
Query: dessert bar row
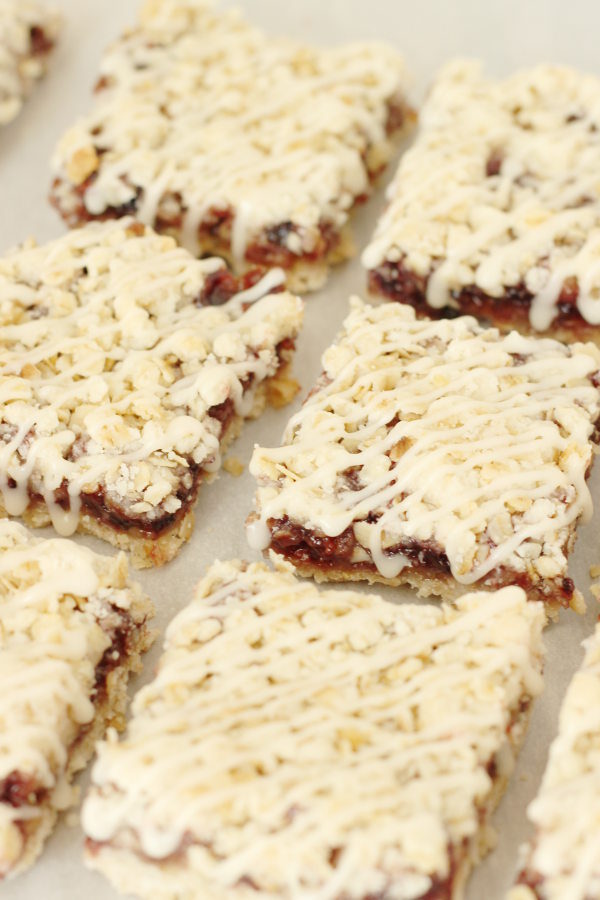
[
  {"x": 257, "y": 149},
  {"x": 432, "y": 453},
  {"x": 293, "y": 741}
]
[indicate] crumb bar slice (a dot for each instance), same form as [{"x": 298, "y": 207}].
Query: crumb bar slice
[
  {"x": 250, "y": 147},
  {"x": 125, "y": 366},
  {"x": 28, "y": 31},
  {"x": 301, "y": 743},
  {"x": 436, "y": 454},
  {"x": 495, "y": 211},
  {"x": 562, "y": 862},
  {"x": 72, "y": 628}
]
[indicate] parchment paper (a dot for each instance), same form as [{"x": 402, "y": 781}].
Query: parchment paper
[{"x": 506, "y": 35}]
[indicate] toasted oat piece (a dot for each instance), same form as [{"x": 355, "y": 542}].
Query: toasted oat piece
[
  {"x": 562, "y": 861},
  {"x": 125, "y": 366},
  {"x": 250, "y": 147},
  {"x": 301, "y": 743},
  {"x": 495, "y": 211},
  {"x": 435, "y": 454},
  {"x": 72, "y": 629},
  {"x": 28, "y": 31}
]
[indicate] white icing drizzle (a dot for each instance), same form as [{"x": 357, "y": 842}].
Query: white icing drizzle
[
  {"x": 286, "y": 724},
  {"x": 487, "y": 461},
  {"x": 536, "y": 222},
  {"x": 58, "y": 605},
  {"x": 203, "y": 107},
  {"x": 19, "y": 68},
  {"x": 565, "y": 850},
  {"x": 108, "y": 368}
]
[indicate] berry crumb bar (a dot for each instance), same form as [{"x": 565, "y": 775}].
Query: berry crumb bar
[
  {"x": 250, "y": 147},
  {"x": 125, "y": 366},
  {"x": 563, "y": 859},
  {"x": 495, "y": 211},
  {"x": 305, "y": 744},
  {"x": 436, "y": 454},
  {"x": 72, "y": 629}
]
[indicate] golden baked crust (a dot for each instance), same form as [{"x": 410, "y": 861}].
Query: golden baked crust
[{"x": 425, "y": 584}]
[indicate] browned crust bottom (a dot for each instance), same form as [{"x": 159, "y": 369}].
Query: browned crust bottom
[
  {"x": 109, "y": 712},
  {"x": 394, "y": 281},
  {"x": 132, "y": 873},
  {"x": 425, "y": 583},
  {"x": 145, "y": 551}
]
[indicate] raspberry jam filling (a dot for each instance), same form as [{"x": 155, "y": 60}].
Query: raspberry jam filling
[
  {"x": 304, "y": 547},
  {"x": 396, "y": 282}
]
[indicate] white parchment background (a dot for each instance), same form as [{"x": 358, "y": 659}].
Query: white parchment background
[{"x": 506, "y": 34}]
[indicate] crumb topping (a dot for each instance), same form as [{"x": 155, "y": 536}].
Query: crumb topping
[
  {"x": 109, "y": 368},
  {"x": 440, "y": 432},
  {"x": 316, "y": 744},
  {"x": 501, "y": 189},
  {"x": 198, "y": 113},
  {"x": 59, "y": 606},
  {"x": 21, "y": 64}
]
